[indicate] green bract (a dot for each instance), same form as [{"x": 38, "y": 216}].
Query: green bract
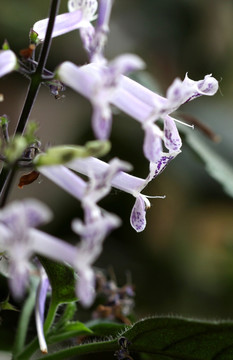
[{"x": 66, "y": 153}]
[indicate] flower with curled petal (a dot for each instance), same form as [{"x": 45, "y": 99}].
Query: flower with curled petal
[
  {"x": 103, "y": 84},
  {"x": 126, "y": 182}
]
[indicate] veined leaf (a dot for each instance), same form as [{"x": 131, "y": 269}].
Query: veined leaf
[
  {"x": 183, "y": 339},
  {"x": 62, "y": 280}
]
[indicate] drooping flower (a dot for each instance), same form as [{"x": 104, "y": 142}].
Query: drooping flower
[
  {"x": 97, "y": 223},
  {"x": 99, "y": 82},
  {"x": 81, "y": 14},
  {"x": 103, "y": 84},
  {"x": 20, "y": 241},
  {"x": 8, "y": 62},
  {"x": 126, "y": 182}
]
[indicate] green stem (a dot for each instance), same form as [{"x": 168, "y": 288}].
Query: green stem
[
  {"x": 34, "y": 344},
  {"x": 24, "y": 320},
  {"x": 97, "y": 347}
]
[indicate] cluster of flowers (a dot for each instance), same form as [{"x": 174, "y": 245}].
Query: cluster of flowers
[{"x": 104, "y": 83}]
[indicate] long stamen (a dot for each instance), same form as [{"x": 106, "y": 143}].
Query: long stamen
[{"x": 183, "y": 123}]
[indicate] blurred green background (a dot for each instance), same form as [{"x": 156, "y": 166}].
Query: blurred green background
[{"x": 183, "y": 262}]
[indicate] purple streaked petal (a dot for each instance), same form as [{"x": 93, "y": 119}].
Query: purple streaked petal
[
  {"x": 64, "y": 23},
  {"x": 172, "y": 139},
  {"x": 208, "y": 86},
  {"x": 41, "y": 294},
  {"x": 8, "y": 62},
  {"x": 152, "y": 146},
  {"x": 157, "y": 167},
  {"x": 102, "y": 121},
  {"x": 183, "y": 91},
  {"x": 138, "y": 214}
]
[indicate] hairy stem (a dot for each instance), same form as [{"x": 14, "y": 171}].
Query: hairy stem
[
  {"x": 34, "y": 344},
  {"x": 24, "y": 320}
]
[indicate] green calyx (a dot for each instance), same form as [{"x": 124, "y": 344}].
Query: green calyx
[{"x": 58, "y": 155}]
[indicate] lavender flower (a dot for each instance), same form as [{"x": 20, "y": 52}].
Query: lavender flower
[
  {"x": 97, "y": 223},
  {"x": 41, "y": 294},
  {"x": 19, "y": 240},
  {"x": 8, "y": 62},
  {"x": 104, "y": 85},
  {"x": 80, "y": 15},
  {"x": 99, "y": 83},
  {"x": 125, "y": 182}
]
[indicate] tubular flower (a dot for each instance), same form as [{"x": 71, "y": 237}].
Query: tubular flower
[
  {"x": 8, "y": 62},
  {"x": 126, "y": 182},
  {"x": 97, "y": 223},
  {"x": 104, "y": 85},
  {"x": 20, "y": 241},
  {"x": 80, "y": 15}
]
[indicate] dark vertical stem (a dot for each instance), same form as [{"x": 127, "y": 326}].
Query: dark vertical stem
[{"x": 7, "y": 174}]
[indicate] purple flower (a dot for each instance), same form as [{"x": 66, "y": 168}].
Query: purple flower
[
  {"x": 104, "y": 85},
  {"x": 19, "y": 240},
  {"x": 93, "y": 232},
  {"x": 99, "y": 82},
  {"x": 125, "y": 182},
  {"x": 97, "y": 223},
  {"x": 80, "y": 15},
  {"x": 42, "y": 290},
  {"x": 8, "y": 62}
]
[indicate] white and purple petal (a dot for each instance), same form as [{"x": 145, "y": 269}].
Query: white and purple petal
[
  {"x": 172, "y": 139},
  {"x": 138, "y": 214},
  {"x": 152, "y": 146},
  {"x": 64, "y": 23},
  {"x": 8, "y": 62},
  {"x": 41, "y": 295}
]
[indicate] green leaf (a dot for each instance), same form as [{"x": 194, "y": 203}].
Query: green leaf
[
  {"x": 216, "y": 166},
  {"x": 62, "y": 280},
  {"x": 105, "y": 327},
  {"x": 71, "y": 329},
  {"x": 184, "y": 339},
  {"x": 5, "y": 305}
]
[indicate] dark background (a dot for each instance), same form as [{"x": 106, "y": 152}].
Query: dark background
[{"x": 183, "y": 262}]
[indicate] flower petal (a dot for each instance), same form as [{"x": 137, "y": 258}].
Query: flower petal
[
  {"x": 40, "y": 308},
  {"x": 64, "y": 23},
  {"x": 172, "y": 138},
  {"x": 152, "y": 146},
  {"x": 138, "y": 214},
  {"x": 8, "y": 62},
  {"x": 102, "y": 121}
]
